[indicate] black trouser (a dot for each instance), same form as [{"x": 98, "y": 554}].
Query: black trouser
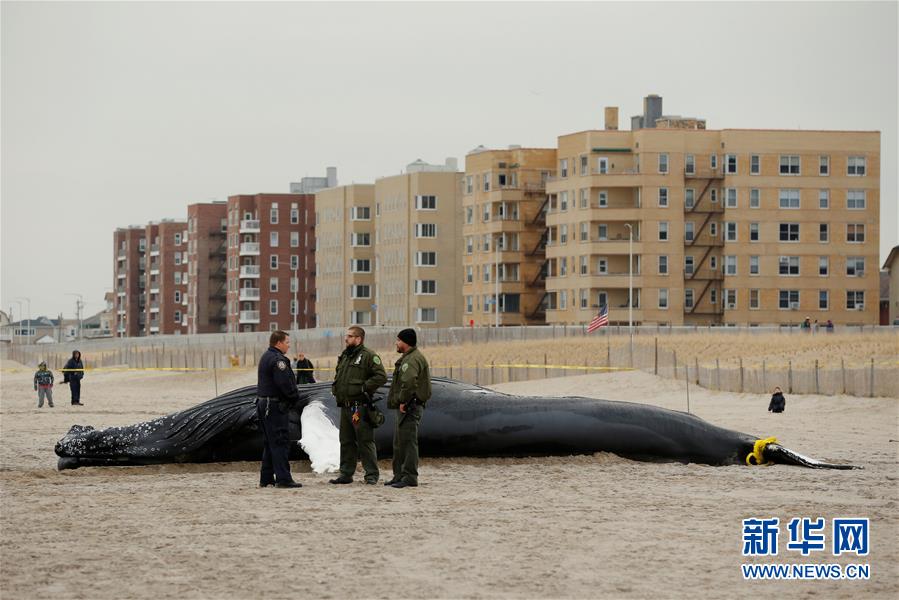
[
  {"x": 75, "y": 387},
  {"x": 274, "y": 423}
]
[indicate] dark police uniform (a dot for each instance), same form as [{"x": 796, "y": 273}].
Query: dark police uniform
[
  {"x": 359, "y": 375},
  {"x": 276, "y": 392},
  {"x": 411, "y": 386}
]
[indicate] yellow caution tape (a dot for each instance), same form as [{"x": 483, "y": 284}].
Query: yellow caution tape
[{"x": 757, "y": 450}]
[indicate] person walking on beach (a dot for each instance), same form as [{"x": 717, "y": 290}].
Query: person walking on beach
[
  {"x": 359, "y": 375},
  {"x": 304, "y": 369},
  {"x": 72, "y": 374},
  {"x": 409, "y": 393},
  {"x": 276, "y": 391},
  {"x": 778, "y": 402},
  {"x": 43, "y": 385}
]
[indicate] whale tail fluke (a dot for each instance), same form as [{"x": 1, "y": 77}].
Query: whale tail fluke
[{"x": 778, "y": 454}]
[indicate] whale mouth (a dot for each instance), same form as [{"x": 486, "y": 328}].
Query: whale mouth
[{"x": 320, "y": 438}]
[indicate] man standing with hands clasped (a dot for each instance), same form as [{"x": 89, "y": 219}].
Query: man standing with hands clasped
[
  {"x": 409, "y": 392},
  {"x": 359, "y": 375}
]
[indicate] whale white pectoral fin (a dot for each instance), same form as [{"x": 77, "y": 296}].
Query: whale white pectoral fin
[{"x": 321, "y": 438}]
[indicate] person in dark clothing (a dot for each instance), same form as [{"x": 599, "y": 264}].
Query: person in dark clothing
[
  {"x": 304, "y": 369},
  {"x": 276, "y": 392},
  {"x": 72, "y": 374},
  {"x": 778, "y": 402}
]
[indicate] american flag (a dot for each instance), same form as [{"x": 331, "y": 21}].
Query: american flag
[{"x": 599, "y": 320}]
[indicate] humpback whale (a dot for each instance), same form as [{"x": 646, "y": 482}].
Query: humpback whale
[{"x": 460, "y": 420}]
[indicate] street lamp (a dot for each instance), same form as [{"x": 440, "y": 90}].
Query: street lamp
[
  {"x": 28, "y": 327},
  {"x": 79, "y": 306}
]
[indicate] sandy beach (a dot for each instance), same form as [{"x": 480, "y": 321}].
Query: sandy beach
[{"x": 575, "y": 527}]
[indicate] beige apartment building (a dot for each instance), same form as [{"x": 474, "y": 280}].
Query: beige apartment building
[
  {"x": 418, "y": 225},
  {"x": 344, "y": 256},
  {"x": 723, "y": 227},
  {"x": 504, "y": 235}
]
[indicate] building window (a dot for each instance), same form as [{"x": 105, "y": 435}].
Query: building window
[
  {"x": 663, "y": 231},
  {"x": 789, "y": 164},
  {"x": 273, "y": 284},
  {"x": 294, "y": 216},
  {"x": 730, "y": 265},
  {"x": 469, "y": 303},
  {"x": 823, "y": 300},
  {"x": 273, "y": 307},
  {"x": 603, "y": 231},
  {"x": 730, "y": 299},
  {"x": 713, "y": 161},
  {"x": 823, "y": 232},
  {"x": 425, "y": 287},
  {"x": 856, "y": 166},
  {"x": 602, "y": 266},
  {"x": 753, "y": 232},
  {"x": 690, "y": 164},
  {"x": 361, "y": 291},
  {"x": 177, "y": 317},
  {"x": 360, "y": 239},
  {"x": 602, "y": 165},
  {"x": 585, "y": 231},
  {"x": 663, "y": 197},
  {"x": 855, "y": 233},
  {"x": 563, "y": 234},
  {"x": 426, "y": 259},
  {"x": 731, "y": 198},
  {"x": 730, "y": 231},
  {"x": 689, "y": 197},
  {"x": 689, "y": 230},
  {"x": 789, "y": 232},
  {"x": 584, "y": 266},
  {"x": 584, "y": 164},
  {"x": 663, "y": 265},
  {"x": 426, "y": 315},
  {"x": 754, "y": 164},
  {"x": 789, "y": 199},
  {"x": 855, "y": 199},
  {"x": 730, "y": 164},
  {"x": 713, "y": 229},
  {"x": 563, "y": 201},
  {"x": 788, "y": 265},
  {"x": 688, "y": 298},
  {"x": 753, "y": 299},
  {"x": 855, "y": 299},
  {"x": 469, "y": 215},
  {"x": 273, "y": 215},
  {"x": 663, "y": 163},
  {"x": 469, "y": 185},
  {"x": 294, "y": 262},
  {"x": 663, "y": 297},
  {"x": 603, "y": 199},
  {"x": 361, "y": 213},
  {"x": 563, "y": 168},
  {"x": 823, "y": 265},
  {"x": 563, "y": 266},
  {"x": 360, "y": 265},
  {"x": 273, "y": 239},
  {"x": 823, "y": 165},
  {"x": 425, "y": 230},
  {"x": 788, "y": 299},
  {"x": 689, "y": 264},
  {"x": 585, "y": 195},
  {"x": 469, "y": 245},
  {"x": 713, "y": 296},
  {"x": 823, "y": 198},
  {"x": 469, "y": 274},
  {"x": 753, "y": 265},
  {"x": 754, "y": 198},
  {"x": 177, "y": 297},
  {"x": 273, "y": 261},
  {"x": 855, "y": 266},
  {"x": 425, "y": 202},
  {"x": 360, "y": 317}
]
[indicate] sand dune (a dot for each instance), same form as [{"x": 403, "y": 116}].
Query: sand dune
[{"x": 579, "y": 527}]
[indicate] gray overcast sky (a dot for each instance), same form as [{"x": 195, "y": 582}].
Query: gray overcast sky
[{"x": 121, "y": 113}]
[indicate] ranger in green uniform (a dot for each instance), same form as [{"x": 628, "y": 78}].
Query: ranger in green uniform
[
  {"x": 359, "y": 374},
  {"x": 409, "y": 393}
]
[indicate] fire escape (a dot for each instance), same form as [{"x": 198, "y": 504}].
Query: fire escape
[
  {"x": 704, "y": 243},
  {"x": 538, "y": 252}
]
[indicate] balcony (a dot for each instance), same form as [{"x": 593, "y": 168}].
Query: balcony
[
  {"x": 250, "y": 271},
  {"x": 154, "y": 290},
  {"x": 121, "y": 255},
  {"x": 120, "y": 274},
  {"x": 154, "y": 307},
  {"x": 154, "y": 250},
  {"x": 154, "y": 328},
  {"x": 249, "y": 249},
  {"x": 251, "y": 294},
  {"x": 248, "y": 316},
  {"x": 250, "y": 226}
]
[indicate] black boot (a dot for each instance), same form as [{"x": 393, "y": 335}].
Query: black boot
[{"x": 342, "y": 479}]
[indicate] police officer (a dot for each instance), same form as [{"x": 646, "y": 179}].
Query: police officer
[
  {"x": 409, "y": 392},
  {"x": 276, "y": 391},
  {"x": 359, "y": 375}
]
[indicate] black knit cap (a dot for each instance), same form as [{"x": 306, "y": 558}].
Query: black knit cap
[{"x": 408, "y": 336}]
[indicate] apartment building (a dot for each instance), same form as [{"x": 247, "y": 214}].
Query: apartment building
[
  {"x": 504, "y": 235},
  {"x": 729, "y": 226},
  {"x": 271, "y": 265},
  {"x": 207, "y": 267},
  {"x": 417, "y": 263},
  {"x": 310, "y": 185},
  {"x": 166, "y": 278},
  {"x": 129, "y": 247},
  {"x": 344, "y": 258}
]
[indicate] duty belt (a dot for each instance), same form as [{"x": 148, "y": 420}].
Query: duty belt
[{"x": 268, "y": 400}]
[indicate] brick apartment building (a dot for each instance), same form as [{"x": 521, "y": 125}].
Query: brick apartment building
[
  {"x": 207, "y": 228},
  {"x": 271, "y": 262},
  {"x": 129, "y": 245},
  {"x": 729, "y": 227},
  {"x": 166, "y": 278}
]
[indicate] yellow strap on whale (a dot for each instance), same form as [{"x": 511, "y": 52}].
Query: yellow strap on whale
[{"x": 757, "y": 452}]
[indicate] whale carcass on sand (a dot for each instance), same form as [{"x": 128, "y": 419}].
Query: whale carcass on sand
[{"x": 460, "y": 420}]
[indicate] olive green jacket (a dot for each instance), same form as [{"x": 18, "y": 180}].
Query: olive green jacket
[
  {"x": 411, "y": 379},
  {"x": 359, "y": 372}
]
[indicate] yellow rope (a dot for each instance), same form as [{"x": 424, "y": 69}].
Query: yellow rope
[{"x": 757, "y": 451}]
